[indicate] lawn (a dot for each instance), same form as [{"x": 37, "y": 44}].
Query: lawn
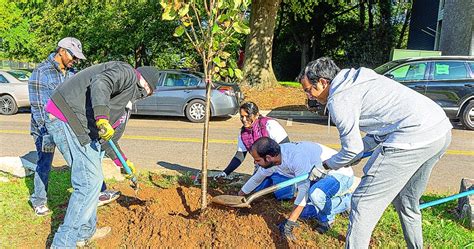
[{"x": 21, "y": 228}]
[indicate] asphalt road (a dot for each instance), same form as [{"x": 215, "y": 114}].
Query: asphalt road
[{"x": 174, "y": 143}]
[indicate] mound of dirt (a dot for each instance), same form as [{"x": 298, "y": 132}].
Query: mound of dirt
[
  {"x": 171, "y": 218},
  {"x": 280, "y": 97}
]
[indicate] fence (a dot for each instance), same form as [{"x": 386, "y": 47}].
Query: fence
[{"x": 17, "y": 64}]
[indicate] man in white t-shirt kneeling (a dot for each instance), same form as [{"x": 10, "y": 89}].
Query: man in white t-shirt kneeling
[{"x": 328, "y": 194}]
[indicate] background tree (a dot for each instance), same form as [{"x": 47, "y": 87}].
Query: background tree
[
  {"x": 210, "y": 25},
  {"x": 258, "y": 69}
]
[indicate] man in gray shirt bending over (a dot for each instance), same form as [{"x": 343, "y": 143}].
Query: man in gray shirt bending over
[{"x": 407, "y": 132}]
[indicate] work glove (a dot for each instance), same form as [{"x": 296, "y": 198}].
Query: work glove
[
  {"x": 220, "y": 176},
  {"x": 286, "y": 229},
  {"x": 317, "y": 172},
  {"x": 132, "y": 168},
  {"x": 48, "y": 146},
  {"x": 105, "y": 129}
]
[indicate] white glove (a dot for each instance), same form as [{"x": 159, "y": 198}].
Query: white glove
[
  {"x": 220, "y": 175},
  {"x": 317, "y": 172}
]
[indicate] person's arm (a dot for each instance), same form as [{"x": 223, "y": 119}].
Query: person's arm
[
  {"x": 119, "y": 77},
  {"x": 255, "y": 180},
  {"x": 277, "y": 132},
  {"x": 37, "y": 87},
  {"x": 346, "y": 117},
  {"x": 238, "y": 157},
  {"x": 235, "y": 162}
]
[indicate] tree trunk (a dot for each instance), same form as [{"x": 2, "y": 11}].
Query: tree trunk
[
  {"x": 258, "y": 70},
  {"x": 304, "y": 55},
  {"x": 371, "y": 15},
  {"x": 404, "y": 29},
  {"x": 362, "y": 13}
]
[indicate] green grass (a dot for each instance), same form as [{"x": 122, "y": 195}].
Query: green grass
[
  {"x": 290, "y": 84},
  {"x": 21, "y": 228}
]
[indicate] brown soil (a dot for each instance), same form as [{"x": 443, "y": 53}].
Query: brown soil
[
  {"x": 281, "y": 98},
  {"x": 172, "y": 218}
]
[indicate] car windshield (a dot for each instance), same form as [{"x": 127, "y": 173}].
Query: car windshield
[
  {"x": 20, "y": 75},
  {"x": 385, "y": 67}
]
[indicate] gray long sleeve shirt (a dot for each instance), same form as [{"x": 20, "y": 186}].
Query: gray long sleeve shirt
[{"x": 362, "y": 100}]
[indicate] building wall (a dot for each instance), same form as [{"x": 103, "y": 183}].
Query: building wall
[
  {"x": 423, "y": 24},
  {"x": 456, "y": 36}
]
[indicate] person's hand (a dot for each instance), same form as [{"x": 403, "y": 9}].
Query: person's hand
[
  {"x": 286, "y": 229},
  {"x": 48, "y": 145},
  {"x": 105, "y": 129},
  {"x": 241, "y": 193},
  {"x": 317, "y": 172},
  {"x": 220, "y": 176},
  {"x": 132, "y": 169}
]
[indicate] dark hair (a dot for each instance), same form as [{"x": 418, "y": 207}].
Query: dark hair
[
  {"x": 266, "y": 146},
  {"x": 250, "y": 107},
  {"x": 323, "y": 67}
]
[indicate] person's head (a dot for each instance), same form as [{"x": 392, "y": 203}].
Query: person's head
[
  {"x": 248, "y": 113},
  {"x": 149, "y": 78},
  {"x": 266, "y": 152},
  {"x": 68, "y": 52},
  {"x": 316, "y": 77}
]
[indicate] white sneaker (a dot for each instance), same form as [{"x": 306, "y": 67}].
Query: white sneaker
[
  {"x": 107, "y": 197},
  {"x": 99, "y": 234},
  {"x": 42, "y": 210}
]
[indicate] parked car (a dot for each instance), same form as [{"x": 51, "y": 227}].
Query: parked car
[
  {"x": 13, "y": 91},
  {"x": 447, "y": 80},
  {"x": 183, "y": 93}
]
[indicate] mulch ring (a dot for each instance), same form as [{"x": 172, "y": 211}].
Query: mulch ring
[{"x": 171, "y": 217}]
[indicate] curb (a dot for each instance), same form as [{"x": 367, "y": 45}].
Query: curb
[{"x": 295, "y": 115}]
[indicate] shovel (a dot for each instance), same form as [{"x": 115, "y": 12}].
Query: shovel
[
  {"x": 125, "y": 166},
  {"x": 244, "y": 202}
]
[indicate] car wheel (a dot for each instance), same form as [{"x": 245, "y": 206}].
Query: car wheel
[
  {"x": 8, "y": 105},
  {"x": 196, "y": 111},
  {"x": 467, "y": 116}
]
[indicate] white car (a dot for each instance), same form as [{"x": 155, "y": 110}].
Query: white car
[{"x": 13, "y": 91}]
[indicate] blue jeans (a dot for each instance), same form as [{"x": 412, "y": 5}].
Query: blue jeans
[
  {"x": 41, "y": 177},
  {"x": 285, "y": 193},
  {"x": 43, "y": 167},
  {"x": 86, "y": 179},
  {"x": 328, "y": 197}
]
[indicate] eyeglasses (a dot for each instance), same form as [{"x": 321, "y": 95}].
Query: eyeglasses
[
  {"x": 74, "y": 58},
  {"x": 308, "y": 90}
]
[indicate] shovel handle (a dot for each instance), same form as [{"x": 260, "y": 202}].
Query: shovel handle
[
  {"x": 286, "y": 183},
  {"x": 446, "y": 199},
  {"x": 124, "y": 163}
]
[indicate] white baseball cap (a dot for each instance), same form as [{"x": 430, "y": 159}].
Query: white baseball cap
[{"x": 73, "y": 45}]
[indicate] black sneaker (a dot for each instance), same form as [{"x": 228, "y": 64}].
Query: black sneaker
[{"x": 322, "y": 227}]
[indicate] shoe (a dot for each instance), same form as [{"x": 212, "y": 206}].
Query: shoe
[
  {"x": 108, "y": 196},
  {"x": 42, "y": 210},
  {"x": 322, "y": 227},
  {"x": 100, "y": 233}
]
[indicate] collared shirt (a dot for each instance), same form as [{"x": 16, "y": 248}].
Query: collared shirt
[
  {"x": 42, "y": 83},
  {"x": 296, "y": 159}
]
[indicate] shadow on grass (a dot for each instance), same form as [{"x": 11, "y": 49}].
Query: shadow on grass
[
  {"x": 447, "y": 210},
  {"x": 58, "y": 196}
]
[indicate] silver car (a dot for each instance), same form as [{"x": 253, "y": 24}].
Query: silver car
[
  {"x": 183, "y": 93},
  {"x": 13, "y": 91}
]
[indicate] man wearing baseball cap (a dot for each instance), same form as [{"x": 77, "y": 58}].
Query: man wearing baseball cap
[{"x": 46, "y": 77}]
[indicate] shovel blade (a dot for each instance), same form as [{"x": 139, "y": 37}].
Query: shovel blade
[{"x": 228, "y": 200}]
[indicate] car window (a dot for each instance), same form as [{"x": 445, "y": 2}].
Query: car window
[
  {"x": 471, "y": 64},
  {"x": 180, "y": 80},
  {"x": 413, "y": 71},
  {"x": 20, "y": 75},
  {"x": 449, "y": 70},
  {"x": 3, "y": 79}
]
